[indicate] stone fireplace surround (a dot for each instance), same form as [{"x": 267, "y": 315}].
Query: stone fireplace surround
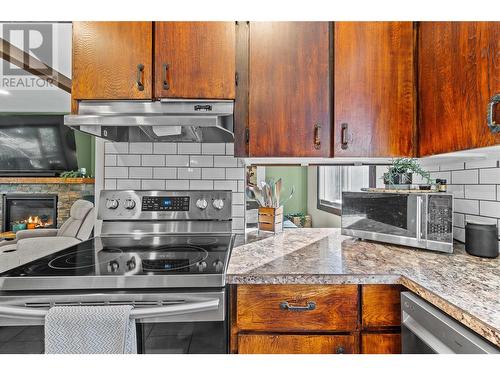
[{"x": 68, "y": 191}]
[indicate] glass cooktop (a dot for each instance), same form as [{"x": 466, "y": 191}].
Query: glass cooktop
[{"x": 128, "y": 256}]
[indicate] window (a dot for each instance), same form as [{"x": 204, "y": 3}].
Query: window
[{"x": 334, "y": 179}]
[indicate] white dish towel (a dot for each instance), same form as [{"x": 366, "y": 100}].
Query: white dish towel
[{"x": 90, "y": 330}]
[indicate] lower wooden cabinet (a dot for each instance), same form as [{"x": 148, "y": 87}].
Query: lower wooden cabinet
[
  {"x": 296, "y": 344},
  {"x": 381, "y": 343}
]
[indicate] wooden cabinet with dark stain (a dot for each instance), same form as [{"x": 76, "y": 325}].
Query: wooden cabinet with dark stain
[
  {"x": 381, "y": 343},
  {"x": 380, "y": 306},
  {"x": 459, "y": 72},
  {"x": 289, "y": 89},
  {"x": 195, "y": 60},
  {"x": 112, "y": 60},
  {"x": 374, "y": 95}
]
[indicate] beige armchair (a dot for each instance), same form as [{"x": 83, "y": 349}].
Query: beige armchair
[{"x": 35, "y": 243}]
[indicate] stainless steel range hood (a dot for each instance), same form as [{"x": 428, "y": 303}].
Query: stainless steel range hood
[{"x": 168, "y": 120}]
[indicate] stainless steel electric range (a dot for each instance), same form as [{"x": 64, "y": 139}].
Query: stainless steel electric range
[{"x": 164, "y": 252}]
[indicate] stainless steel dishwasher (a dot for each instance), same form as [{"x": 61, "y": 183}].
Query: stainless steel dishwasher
[{"x": 427, "y": 330}]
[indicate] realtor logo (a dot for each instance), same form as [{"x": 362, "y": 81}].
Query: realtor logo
[{"x": 29, "y": 52}]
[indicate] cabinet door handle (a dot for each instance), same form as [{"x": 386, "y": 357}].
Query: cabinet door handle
[
  {"x": 308, "y": 307},
  {"x": 340, "y": 350},
  {"x": 317, "y": 139},
  {"x": 343, "y": 136},
  {"x": 494, "y": 127},
  {"x": 140, "y": 82},
  {"x": 166, "y": 85}
]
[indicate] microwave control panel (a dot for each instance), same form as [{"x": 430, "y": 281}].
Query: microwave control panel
[{"x": 440, "y": 218}]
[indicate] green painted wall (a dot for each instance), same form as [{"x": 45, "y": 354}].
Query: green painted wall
[
  {"x": 85, "y": 152},
  {"x": 291, "y": 176}
]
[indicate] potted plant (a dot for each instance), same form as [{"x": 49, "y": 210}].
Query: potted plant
[{"x": 400, "y": 173}]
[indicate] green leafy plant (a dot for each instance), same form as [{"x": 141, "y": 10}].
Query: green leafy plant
[
  {"x": 299, "y": 215},
  {"x": 405, "y": 166},
  {"x": 72, "y": 174}
]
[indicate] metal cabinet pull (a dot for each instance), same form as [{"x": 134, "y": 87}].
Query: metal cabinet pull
[
  {"x": 286, "y": 306},
  {"x": 317, "y": 140},
  {"x": 140, "y": 82},
  {"x": 343, "y": 136},
  {"x": 494, "y": 127},
  {"x": 166, "y": 85},
  {"x": 340, "y": 350}
]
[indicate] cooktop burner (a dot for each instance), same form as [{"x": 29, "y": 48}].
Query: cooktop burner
[{"x": 134, "y": 256}]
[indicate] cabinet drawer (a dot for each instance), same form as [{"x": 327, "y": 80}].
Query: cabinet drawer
[
  {"x": 297, "y": 307},
  {"x": 380, "y": 306},
  {"x": 296, "y": 344},
  {"x": 381, "y": 343}
]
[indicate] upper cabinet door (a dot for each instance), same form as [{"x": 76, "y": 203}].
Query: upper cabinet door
[
  {"x": 459, "y": 72},
  {"x": 112, "y": 60},
  {"x": 195, "y": 60},
  {"x": 374, "y": 89},
  {"x": 289, "y": 89}
]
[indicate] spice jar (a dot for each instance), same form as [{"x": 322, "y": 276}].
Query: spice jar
[{"x": 441, "y": 185}]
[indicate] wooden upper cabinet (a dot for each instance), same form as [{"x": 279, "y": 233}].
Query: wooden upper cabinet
[
  {"x": 459, "y": 72},
  {"x": 112, "y": 60},
  {"x": 195, "y": 60},
  {"x": 374, "y": 84},
  {"x": 289, "y": 99}
]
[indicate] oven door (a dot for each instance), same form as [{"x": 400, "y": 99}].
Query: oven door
[
  {"x": 387, "y": 217},
  {"x": 166, "y": 322}
]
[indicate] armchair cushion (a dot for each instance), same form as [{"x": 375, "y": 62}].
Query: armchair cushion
[
  {"x": 30, "y": 249},
  {"x": 78, "y": 214},
  {"x": 29, "y": 233}
]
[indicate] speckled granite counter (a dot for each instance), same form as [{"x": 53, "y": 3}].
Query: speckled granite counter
[{"x": 465, "y": 287}]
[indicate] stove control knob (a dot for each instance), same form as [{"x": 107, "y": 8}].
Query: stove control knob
[
  {"x": 129, "y": 204},
  {"x": 112, "y": 204},
  {"x": 218, "y": 204},
  {"x": 131, "y": 264},
  {"x": 113, "y": 266},
  {"x": 201, "y": 204},
  {"x": 201, "y": 266},
  {"x": 218, "y": 265}
]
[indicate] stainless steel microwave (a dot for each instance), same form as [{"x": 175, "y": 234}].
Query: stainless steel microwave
[{"x": 423, "y": 220}]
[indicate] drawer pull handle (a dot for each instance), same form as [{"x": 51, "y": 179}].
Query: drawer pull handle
[
  {"x": 140, "y": 71},
  {"x": 494, "y": 127},
  {"x": 166, "y": 84},
  {"x": 286, "y": 306},
  {"x": 317, "y": 139},
  {"x": 343, "y": 136}
]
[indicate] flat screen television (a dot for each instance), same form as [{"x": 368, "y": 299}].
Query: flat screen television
[{"x": 36, "y": 145}]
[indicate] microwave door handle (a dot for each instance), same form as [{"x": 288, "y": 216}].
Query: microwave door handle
[
  {"x": 419, "y": 218},
  {"x": 139, "y": 313}
]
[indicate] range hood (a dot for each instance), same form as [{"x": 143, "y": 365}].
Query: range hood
[{"x": 168, "y": 120}]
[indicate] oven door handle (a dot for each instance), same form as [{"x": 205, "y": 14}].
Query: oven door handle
[{"x": 137, "y": 313}]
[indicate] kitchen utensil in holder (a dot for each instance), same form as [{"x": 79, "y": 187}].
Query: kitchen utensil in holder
[{"x": 271, "y": 219}]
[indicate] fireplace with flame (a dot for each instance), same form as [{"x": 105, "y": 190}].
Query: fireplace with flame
[{"x": 29, "y": 211}]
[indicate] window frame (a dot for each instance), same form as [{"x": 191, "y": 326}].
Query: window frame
[{"x": 336, "y": 208}]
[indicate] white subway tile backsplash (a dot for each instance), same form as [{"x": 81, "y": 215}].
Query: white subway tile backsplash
[
  {"x": 225, "y": 161},
  {"x": 128, "y": 184},
  {"x": 483, "y": 163},
  {"x": 115, "y": 172},
  {"x": 229, "y": 148},
  {"x": 164, "y": 148},
  {"x": 238, "y": 224},
  {"x": 201, "y": 185},
  {"x": 110, "y": 184},
  {"x": 458, "y": 220},
  {"x": 153, "y": 160},
  {"x": 189, "y": 173},
  {"x": 115, "y": 148},
  {"x": 442, "y": 175},
  {"x": 189, "y": 148},
  {"x": 177, "y": 161},
  {"x": 140, "y": 172},
  {"x": 457, "y": 190},
  {"x": 491, "y": 209},
  {"x": 241, "y": 185},
  {"x": 235, "y": 173},
  {"x": 141, "y": 148},
  {"x": 128, "y": 160},
  {"x": 238, "y": 210},
  {"x": 110, "y": 160},
  {"x": 177, "y": 185},
  {"x": 489, "y": 176},
  {"x": 467, "y": 206},
  {"x": 201, "y": 161},
  {"x": 226, "y": 185},
  {"x": 479, "y": 219},
  {"x": 213, "y": 148},
  {"x": 486, "y": 192},
  {"x": 153, "y": 184},
  {"x": 165, "y": 173},
  {"x": 465, "y": 177},
  {"x": 213, "y": 173},
  {"x": 238, "y": 198},
  {"x": 452, "y": 166},
  {"x": 459, "y": 234}
]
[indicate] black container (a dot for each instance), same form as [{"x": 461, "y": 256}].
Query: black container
[{"x": 481, "y": 240}]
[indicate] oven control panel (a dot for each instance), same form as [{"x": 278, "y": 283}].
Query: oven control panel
[
  {"x": 146, "y": 205},
  {"x": 165, "y": 204}
]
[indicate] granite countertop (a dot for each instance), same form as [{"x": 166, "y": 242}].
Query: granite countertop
[{"x": 465, "y": 287}]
